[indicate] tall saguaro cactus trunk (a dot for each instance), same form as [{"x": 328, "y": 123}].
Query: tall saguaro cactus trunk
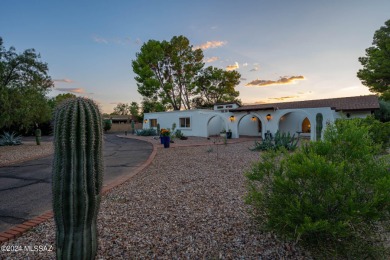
[
  {"x": 319, "y": 126},
  {"x": 77, "y": 177}
]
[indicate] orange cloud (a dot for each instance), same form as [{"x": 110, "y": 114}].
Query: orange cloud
[
  {"x": 281, "y": 81},
  {"x": 72, "y": 90},
  {"x": 284, "y": 98},
  {"x": 63, "y": 80},
  {"x": 211, "y": 59},
  {"x": 232, "y": 67},
  {"x": 208, "y": 45}
]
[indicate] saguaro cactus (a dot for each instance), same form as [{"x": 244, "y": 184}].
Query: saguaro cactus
[
  {"x": 319, "y": 120},
  {"x": 132, "y": 127},
  {"x": 38, "y": 135},
  {"x": 77, "y": 177}
]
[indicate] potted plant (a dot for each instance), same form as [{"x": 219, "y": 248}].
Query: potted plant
[
  {"x": 223, "y": 133},
  {"x": 165, "y": 137},
  {"x": 229, "y": 134}
]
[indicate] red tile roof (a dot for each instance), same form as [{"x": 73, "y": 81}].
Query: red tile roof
[{"x": 345, "y": 104}]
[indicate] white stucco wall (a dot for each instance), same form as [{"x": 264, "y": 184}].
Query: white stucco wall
[
  {"x": 200, "y": 118},
  {"x": 210, "y": 122}
]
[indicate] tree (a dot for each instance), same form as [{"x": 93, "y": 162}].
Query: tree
[
  {"x": 216, "y": 86},
  {"x": 62, "y": 97},
  {"x": 24, "y": 81},
  {"x": 134, "y": 109},
  {"x": 376, "y": 64},
  {"x": 150, "y": 105},
  {"x": 167, "y": 71},
  {"x": 383, "y": 114},
  {"x": 121, "y": 109}
]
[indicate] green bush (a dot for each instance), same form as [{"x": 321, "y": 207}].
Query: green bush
[
  {"x": 9, "y": 139},
  {"x": 179, "y": 134},
  {"x": 107, "y": 124},
  {"x": 379, "y": 131},
  {"x": 383, "y": 113},
  {"x": 330, "y": 195},
  {"x": 146, "y": 132}
]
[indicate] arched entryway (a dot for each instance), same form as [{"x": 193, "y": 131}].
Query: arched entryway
[
  {"x": 295, "y": 122},
  {"x": 250, "y": 125},
  {"x": 306, "y": 126},
  {"x": 215, "y": 125}
]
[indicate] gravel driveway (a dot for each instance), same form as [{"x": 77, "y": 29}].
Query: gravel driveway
[{"x": 187, "y": 204}]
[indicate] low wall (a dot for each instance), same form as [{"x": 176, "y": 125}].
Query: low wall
[{"x": 115, "y": 128}]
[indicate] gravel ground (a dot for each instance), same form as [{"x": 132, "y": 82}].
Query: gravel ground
[
  {"x": 187, "y": 204},
  {"x": 26, "y": 151}
]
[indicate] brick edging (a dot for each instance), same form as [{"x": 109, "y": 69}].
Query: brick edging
[{"x": 19, "y": 230}]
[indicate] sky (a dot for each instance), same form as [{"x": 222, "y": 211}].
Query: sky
[{"x": 284, "y": 50}]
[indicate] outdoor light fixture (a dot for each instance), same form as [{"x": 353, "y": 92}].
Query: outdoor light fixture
[
  {"x": 268, "y": 117},
  {"x": 254, "y": 118},
  {"x": 232, "y": 118},
  {"x": 145, "y": 121}
]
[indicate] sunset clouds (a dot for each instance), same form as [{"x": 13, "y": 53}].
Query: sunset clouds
[
  {"x": 210, "y": 59},
  {"x": 232, "y": 67},
  {"x": 282, "y": 81},
  {"x": 210, "y": 44},
  {"x": 63, "y": 80},
  {"x": 73, "y": 90},
  {"x": 283, "y": 98}
]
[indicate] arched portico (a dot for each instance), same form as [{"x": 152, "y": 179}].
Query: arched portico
[
  {"x": 295, "y": 121},
  {"x": 215, "y": 124},
  {"x": 250, "y": 125}
]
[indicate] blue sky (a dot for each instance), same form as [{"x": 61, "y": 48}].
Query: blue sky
[{"x": 89, "y": 45}]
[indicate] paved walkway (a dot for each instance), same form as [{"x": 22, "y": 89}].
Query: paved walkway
[{"x": 25, "y": 188}]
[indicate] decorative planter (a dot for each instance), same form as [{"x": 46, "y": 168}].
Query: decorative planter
[
  {"x": 229, "y": 135},
  {"x": 166, "y": 141}
]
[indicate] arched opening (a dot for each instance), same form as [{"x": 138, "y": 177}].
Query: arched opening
[
  {"x": 215, "y": 125},
  {"x": 306, "y": 126},
  {"x": 294, "y": 122},
  {"x": 249, "y": 125}
]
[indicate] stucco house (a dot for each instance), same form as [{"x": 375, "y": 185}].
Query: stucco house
[{"x": 257, "y": 120}]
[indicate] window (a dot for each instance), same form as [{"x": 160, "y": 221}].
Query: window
[
  {"x": 185, "y": 122},
  {"x": 153, "y": 122},
  {"x": 219, "y": 107},
  {"x": 306, "y": 125},
  {"x": 229, "y": 106}
]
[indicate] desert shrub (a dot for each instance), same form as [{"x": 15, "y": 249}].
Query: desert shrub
[
  {"x": 179, "y": 134},
  {"x": 383, "y": 113},
  {"x": 281, "y": 140},
  {"x": 9, "y": 139},
  {"x": 107, "y": 124},
  {"x": 329, "y": 195},
  {"x": 379, "y": 131},
  {"x": 146, "y": 132}
]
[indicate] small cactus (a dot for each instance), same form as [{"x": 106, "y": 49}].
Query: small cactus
[
  {"x": 319, "y": 120},
  {"x": 77, "y": 177},
  {"x": 132, "y": 127},
  {"x": 158, "y": 128},
  {"x": 38, "y": 135}
]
